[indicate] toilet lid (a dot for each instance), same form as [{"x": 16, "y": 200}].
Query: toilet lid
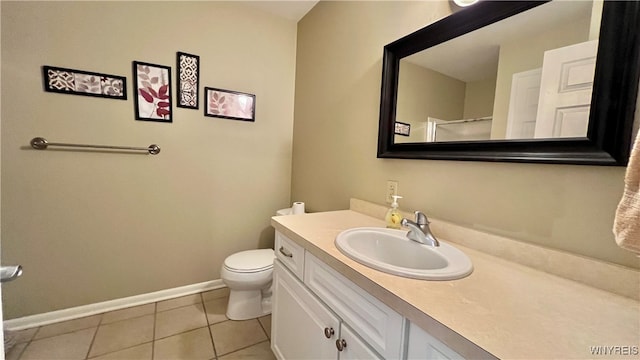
[{"x": 250, "y": 260}]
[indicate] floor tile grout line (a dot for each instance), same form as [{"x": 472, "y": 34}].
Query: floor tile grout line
[
  {"x": 95, "y": 334},
  {"x": 101, "y": 323},
  {"x": 35, "y": 334},
  {"x": 23, "y": 349},
  {"x": 62, "y": 333},
  {"x": 152, "y": 342},
  {"x": 178, "y": 307},
  {"x": 181, "y": 306},
  {"x": 263, "y": 328},
  {"x": 246, "y": 347},
  {"x": 185, "y": 331},
  {"x": 213, "y": 343},
  {"x": 127, "y": 318},
  {"x": 28, "y": 342},
  {"x": 125, "y": 348},
  {"x": 122, "y": 320},
  {"x": 153, "y": 336},
  {"x": 39, "y": 328}
]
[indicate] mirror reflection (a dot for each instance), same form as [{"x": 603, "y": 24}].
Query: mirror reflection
[{"x": 527, "y": 77}]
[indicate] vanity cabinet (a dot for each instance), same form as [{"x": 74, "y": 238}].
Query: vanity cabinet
[
  {"x": 421, "y": 345},
  {"x": 290, "y": 253},
  {"x": 304, "y": 328},
  {"x": 379, "y": 325},
  {"x": 299, "y": 321},
  {"x": 320, "y": 314},
  {"x": 356, "y": 349}
]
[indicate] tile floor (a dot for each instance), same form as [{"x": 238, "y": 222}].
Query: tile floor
[{"x": 189, "y": 327}]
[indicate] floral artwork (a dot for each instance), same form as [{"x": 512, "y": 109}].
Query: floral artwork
[
  {"x": 79, "y": 82},
  {"x": 229, "y": 104},
  {"x": 188, "y": 78},
  {"x": 153, "y": 92}
]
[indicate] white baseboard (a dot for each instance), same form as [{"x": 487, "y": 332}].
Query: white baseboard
[{"x": 105, "y": 306}]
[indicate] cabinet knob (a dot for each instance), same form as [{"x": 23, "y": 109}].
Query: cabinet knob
[
  {"x": 341, "y": 344},
  {"x": 328, "y": 332}
]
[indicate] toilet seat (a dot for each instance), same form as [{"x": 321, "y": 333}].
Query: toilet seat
[{"x": 250, "y": 261}]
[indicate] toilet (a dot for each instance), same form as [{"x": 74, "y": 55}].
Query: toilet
[{"x": 248, "y": 275}]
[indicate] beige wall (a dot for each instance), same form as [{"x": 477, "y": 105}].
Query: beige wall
[
  {"x": 478, "y": 99},
  {"x": 90, "y": 227},
  {"x": 426, "y": 93},
  {"x": 339, "y": 64}
]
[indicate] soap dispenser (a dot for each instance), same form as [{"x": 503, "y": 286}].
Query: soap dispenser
[{"x": 393, "y": 217}]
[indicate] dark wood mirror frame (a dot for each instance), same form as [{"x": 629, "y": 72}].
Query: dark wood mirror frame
[{"x": 613, "y": 101}]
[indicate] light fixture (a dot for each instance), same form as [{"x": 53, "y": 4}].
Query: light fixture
[{"x": 464, "y": 3}]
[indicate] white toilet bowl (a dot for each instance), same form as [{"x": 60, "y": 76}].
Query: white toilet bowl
[{"x": 248, "y": 274}]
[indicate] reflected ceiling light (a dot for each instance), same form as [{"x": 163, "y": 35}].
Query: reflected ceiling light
[{"x": 465, "y": 3}]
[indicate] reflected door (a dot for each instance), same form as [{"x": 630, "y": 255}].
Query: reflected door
[
  {"x": 565, "y": 91},
  {"x": 523, "y": 105}
]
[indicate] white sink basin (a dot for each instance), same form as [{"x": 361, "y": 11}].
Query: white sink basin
[{"x": 390, "y": 251}]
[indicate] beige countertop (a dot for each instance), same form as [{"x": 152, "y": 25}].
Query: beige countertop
[{"x": 502, "y": 309}]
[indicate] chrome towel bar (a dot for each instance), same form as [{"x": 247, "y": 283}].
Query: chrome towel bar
[{"x": 42, "y": 144}]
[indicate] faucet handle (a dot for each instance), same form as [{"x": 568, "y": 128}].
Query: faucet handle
[{"x": 421, "y": 218}]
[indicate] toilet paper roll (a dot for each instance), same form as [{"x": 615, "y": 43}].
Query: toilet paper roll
[{"x": 297, "y": 208}]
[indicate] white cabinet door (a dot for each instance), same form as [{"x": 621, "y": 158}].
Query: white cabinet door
[
  {"x": 424, "y": 346},
  {"x": 354, "y": 348},
  {"x": 299, "y": 321}
]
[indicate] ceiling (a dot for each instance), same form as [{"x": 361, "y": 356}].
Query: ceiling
[
  {"x": 475, "y": 55},
  {"x": 292, "y": 10}
]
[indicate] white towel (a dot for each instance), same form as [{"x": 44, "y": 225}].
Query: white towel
[{"x": 626, "y": 225}]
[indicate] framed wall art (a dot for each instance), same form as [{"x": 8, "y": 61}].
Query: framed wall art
[
  {"x": 80, "y": 82},
  {"x": 153, "y": 92},
  {"x": 188, "y": 80},
  {"x": 229, "y": 104},
  {"x": 403, "y": 129}
]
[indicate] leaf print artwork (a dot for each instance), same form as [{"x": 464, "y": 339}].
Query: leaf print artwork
[
  {"x": 88, "y": 84},
  {"x": 217, "y": 105},
  {"x": 153, "y": 92},
  {"x": 230, "y": 104}
]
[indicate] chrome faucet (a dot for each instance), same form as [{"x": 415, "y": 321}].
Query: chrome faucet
[{"x": 419, "y": 230}]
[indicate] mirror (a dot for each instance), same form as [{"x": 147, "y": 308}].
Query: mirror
[
  {"x": 526, "y": 81},
  {"x": 485, "y": 85}
]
